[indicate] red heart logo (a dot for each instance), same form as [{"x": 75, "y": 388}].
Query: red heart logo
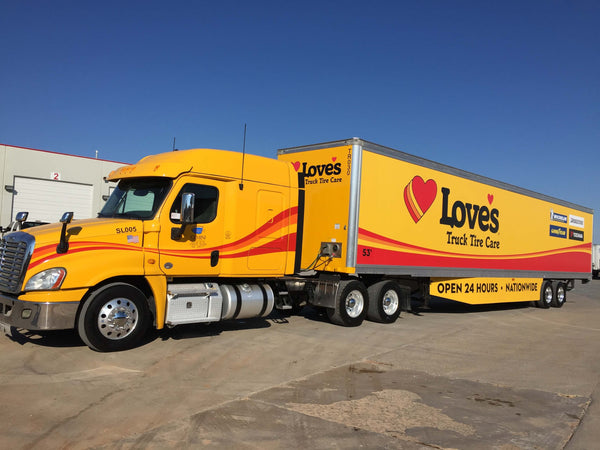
[
  {"x": 334, "y": 158},
  {"x": 418, "y": 196},
  {"x": 296, "y": 166},
  {"x": 490, "y": 198}
]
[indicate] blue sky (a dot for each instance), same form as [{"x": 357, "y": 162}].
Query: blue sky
[{"x": 506, "y": 89}]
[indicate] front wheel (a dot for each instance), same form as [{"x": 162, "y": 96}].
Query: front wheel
[
  {"x": 351, "y": 304},
  {"x": 114, "y": 318}
]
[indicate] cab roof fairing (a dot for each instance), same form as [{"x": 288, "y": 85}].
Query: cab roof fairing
[{"x": 214, "y": 163}]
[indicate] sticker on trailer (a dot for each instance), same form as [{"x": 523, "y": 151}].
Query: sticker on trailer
[
  {"x": 576, "y": 221},
  {"x": 487, "y": 290}
]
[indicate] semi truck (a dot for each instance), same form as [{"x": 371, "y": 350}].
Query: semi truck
[
  {"x": 350, "y": 227},
  {"x": 595, "y": 260}
]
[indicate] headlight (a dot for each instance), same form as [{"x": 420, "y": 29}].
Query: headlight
[{"x": 47, "y": 280}]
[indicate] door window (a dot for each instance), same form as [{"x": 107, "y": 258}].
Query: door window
[{"x": 205, "y": 203}]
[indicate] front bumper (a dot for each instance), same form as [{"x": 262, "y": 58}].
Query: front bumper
[{"x": 36, "y": 315}]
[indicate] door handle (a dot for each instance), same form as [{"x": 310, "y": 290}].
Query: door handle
[{"x": 214, "y": 258}]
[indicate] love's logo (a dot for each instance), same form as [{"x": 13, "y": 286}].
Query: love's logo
[
  {"x": 418, "y": 196},
  {"x": 332, "y": 168}
]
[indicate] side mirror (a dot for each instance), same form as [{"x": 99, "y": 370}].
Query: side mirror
[
  {"x": 187, "y": 214},
  {"x": 66, "y": 217},
  {"x": 63, "y": 244},
  {"x": 187, "y": 208},
  {"x": 21, "y": 217}
]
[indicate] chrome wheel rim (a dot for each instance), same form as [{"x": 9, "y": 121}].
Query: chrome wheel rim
[
  {"x": 548, "y": 295},
  {"x": 117, "y": 318},
  {"x": 390, "y": 302},
  {"x": 354, "y": 304},
  {"x": 560, "y": 295}
]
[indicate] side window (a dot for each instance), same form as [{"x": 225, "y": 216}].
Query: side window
[{"x": 205, "y": 205}]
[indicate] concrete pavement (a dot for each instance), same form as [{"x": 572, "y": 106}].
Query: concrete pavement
[{"x": 453, "y": 376}]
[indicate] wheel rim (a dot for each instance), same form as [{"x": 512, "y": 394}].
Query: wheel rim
[
  {"x": 117, "y": 318},
  {"x": 560, "y": 295},
  {"x": 548, "y": 295},
  {"x": 354, "y": 304},
  {"x": 390, "y": 302}
]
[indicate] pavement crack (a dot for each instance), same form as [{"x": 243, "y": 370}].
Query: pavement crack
[{"x": 66, "y": 420}]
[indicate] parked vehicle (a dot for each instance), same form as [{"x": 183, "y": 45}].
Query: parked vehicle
[
  {"x": 596, "y": 261},
  {"x": 20, "y": 223},
  {"x": 349, "y": 226}
]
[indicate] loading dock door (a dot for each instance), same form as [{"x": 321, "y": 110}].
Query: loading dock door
[{"x": 47, "y": 200}]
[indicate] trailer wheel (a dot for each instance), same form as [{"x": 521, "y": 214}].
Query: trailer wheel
[
  {"x": 114, "y": 318},
  {"x": 560, "y": 295},
  {"x": 351, "y": 304},
  {"x": 384, "y": 302},
  {"x": 546, "y": 296}
]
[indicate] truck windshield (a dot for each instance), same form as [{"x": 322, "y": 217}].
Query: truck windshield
[{"x": 136, "y": 198}]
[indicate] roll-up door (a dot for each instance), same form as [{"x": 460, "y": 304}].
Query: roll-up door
[{"x": 47, "y": 200}]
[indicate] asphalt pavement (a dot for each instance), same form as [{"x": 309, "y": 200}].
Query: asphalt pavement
[{"x": 450, "y": 376}]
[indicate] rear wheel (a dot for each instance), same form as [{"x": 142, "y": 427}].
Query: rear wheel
[
  {"x": 384, "y": 302},
  {"x": 546, "y": 296},
  {"x": 560, "y": 295},
  {"x": 351, "y": 304},
  {"x": 114, "y": 318}
]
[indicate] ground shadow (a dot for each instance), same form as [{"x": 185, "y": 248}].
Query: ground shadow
[
  {"x": 442, "y": 305},
  {"x": 47, "y": 338},
  {"x": 70, "y": 338},
  {"x": 199, "y": 330}
]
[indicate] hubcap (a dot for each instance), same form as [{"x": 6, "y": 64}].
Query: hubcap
[
  {"x": 354, "y": 304},
  {"x": 548, "y": 295},
  {"x": 390, "y": 302},
  {"x": 560, "y": 295},
  {"x": 117, "y": 318}
]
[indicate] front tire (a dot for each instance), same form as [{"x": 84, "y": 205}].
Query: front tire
[
  {"x": 351, "y": 304},
  {"x": 384, "y": 302},
  {"x": 114, "y": 318}
]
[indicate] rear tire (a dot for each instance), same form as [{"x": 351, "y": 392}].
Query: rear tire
[
  {"x": 560, "y": 295},
  {"x": 351, "y": 304},
  {"x": 114, "y": 318},
  {"x": 546, "y": 296},
  {"x": 384, "y": 302}
]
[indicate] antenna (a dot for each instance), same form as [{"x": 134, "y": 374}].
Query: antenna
[
  {"x": 243, "y": 159},
  {"x": 174, "y": 149}
]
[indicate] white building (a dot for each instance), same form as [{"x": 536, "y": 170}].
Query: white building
[{"x": 47, "y": 184}]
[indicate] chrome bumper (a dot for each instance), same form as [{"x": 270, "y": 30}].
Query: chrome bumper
[{"x": 36, "y": 316}]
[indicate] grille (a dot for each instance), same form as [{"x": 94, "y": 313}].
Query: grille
[{"x": 15, "y": 253}]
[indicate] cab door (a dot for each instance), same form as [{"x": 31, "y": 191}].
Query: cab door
[{"x": 192, "y": 250}]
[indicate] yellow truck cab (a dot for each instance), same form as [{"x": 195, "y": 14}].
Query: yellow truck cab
[{"x": 175, "y": 224}]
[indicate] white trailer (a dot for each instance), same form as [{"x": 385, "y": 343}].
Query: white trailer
[{"x": 596, "y": 261}]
